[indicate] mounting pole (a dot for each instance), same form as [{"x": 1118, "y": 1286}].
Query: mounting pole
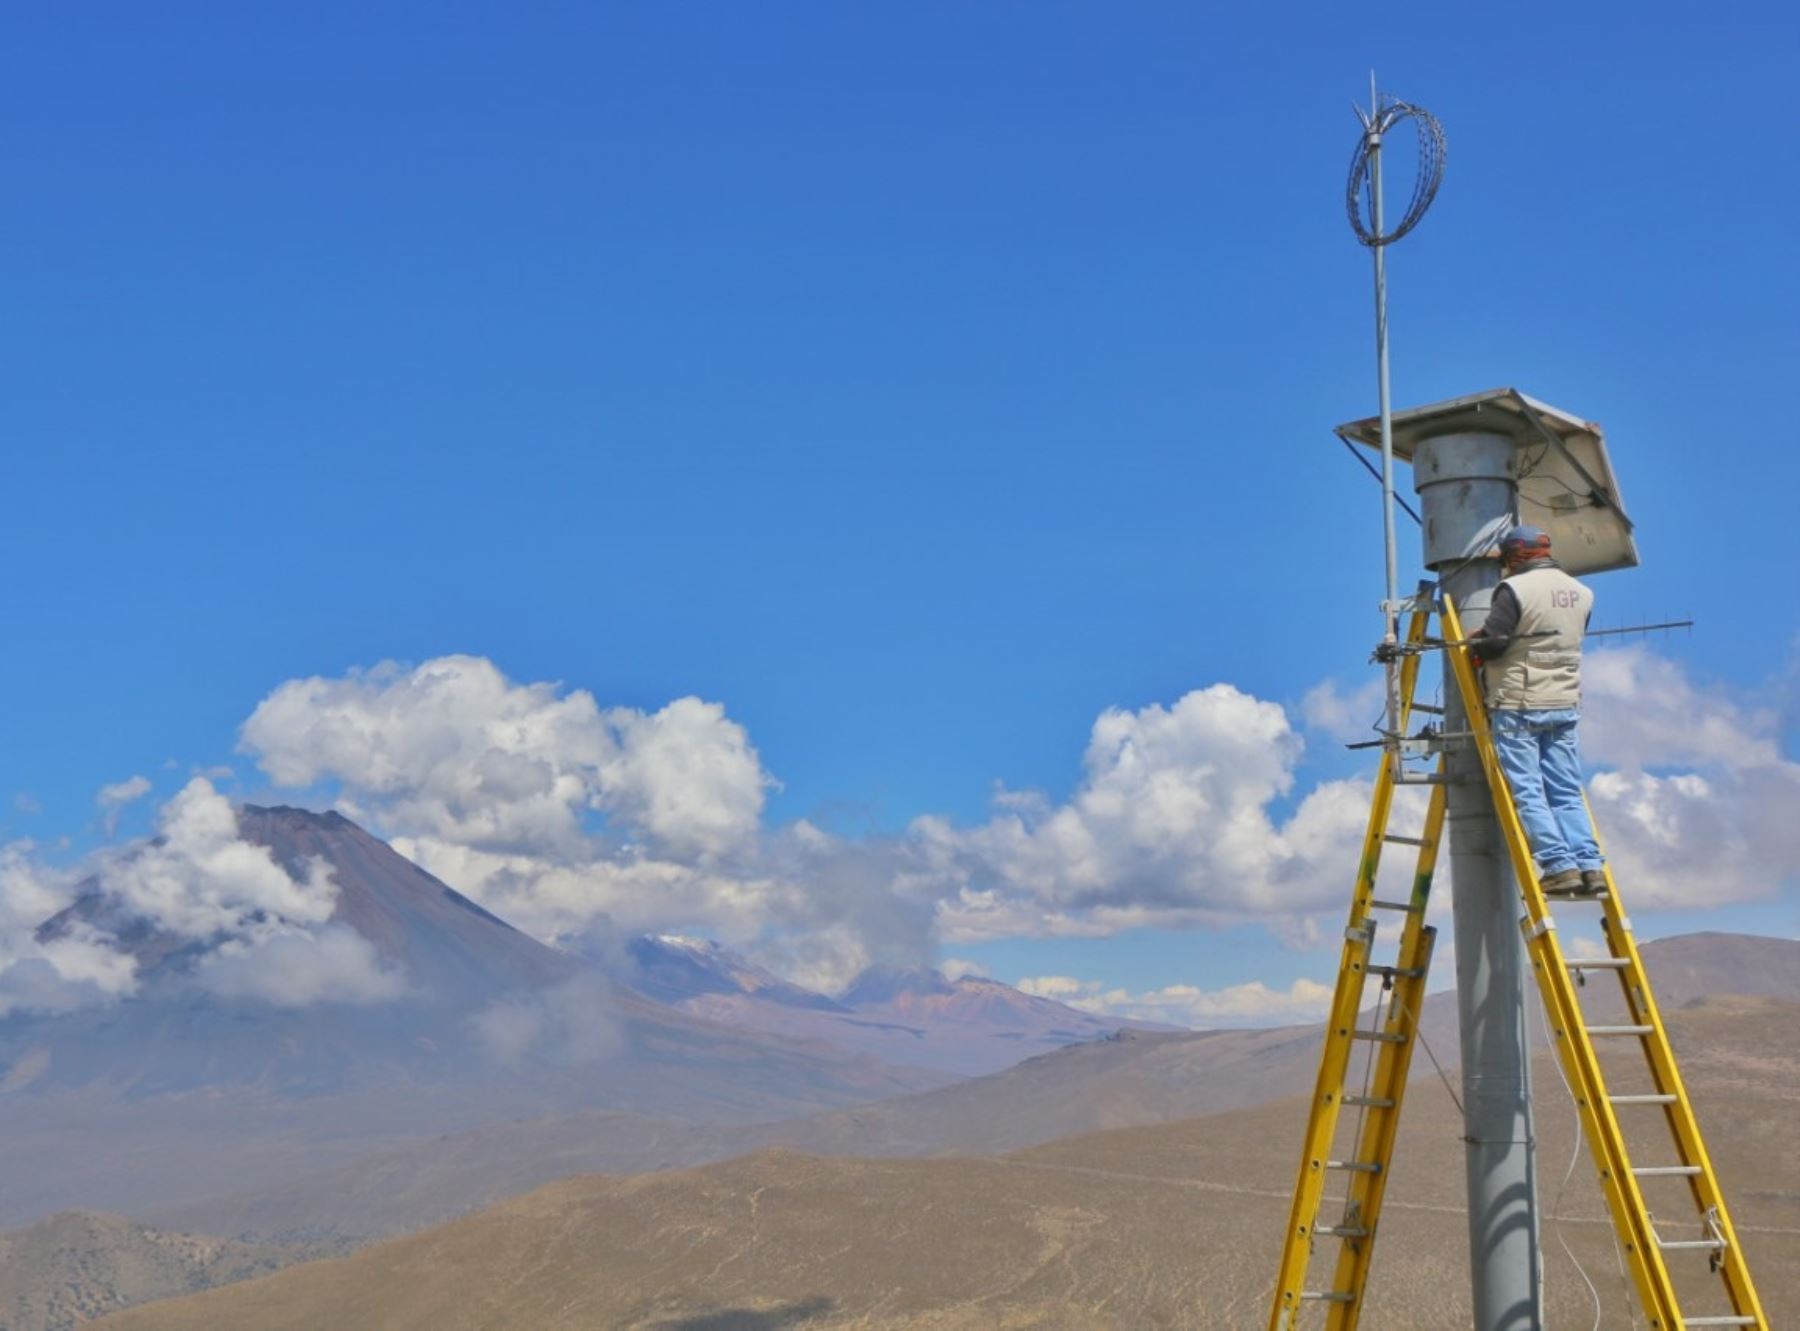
[{"x": 1390, "y": 606}]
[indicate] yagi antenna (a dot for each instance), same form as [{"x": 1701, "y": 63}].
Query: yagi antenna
[
  {"x": 1664, "y": 627},
  {"x": 1363, "y": 199}
]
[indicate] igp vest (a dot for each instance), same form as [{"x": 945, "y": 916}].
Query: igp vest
[{"x": 1536, "y": 674}]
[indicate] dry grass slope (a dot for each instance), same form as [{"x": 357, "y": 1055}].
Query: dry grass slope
[{"x": 1170, "y": 1226}]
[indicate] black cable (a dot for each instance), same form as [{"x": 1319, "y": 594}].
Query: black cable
[{"x": 1371, "y": 469}]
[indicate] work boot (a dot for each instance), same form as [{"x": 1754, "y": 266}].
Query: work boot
[
  {"x": 1564, "y": 883},
  {"x": 1594, "y": 880}
]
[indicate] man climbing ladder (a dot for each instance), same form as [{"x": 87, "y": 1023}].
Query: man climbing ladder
[
  {"x": 1640, "y": 1128},
  {"x": 1531, "y": 646}
]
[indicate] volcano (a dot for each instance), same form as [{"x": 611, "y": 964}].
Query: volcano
[{"x": 486, "y": 1023}]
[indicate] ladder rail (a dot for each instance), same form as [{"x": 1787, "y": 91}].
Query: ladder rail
[
  {"x": 1573, "y": 1046},
  {"x": 1380, "y": 1129},
  {"x": 1684, "y": 1125},
  {"x": 1340, "y": 1030}
]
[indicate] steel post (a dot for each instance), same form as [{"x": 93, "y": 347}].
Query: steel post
[
  {"x": 1390, "y": 610},
  {"x": 1467, "y": 497}
]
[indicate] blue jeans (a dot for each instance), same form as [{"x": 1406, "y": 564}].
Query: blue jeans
[{"x": 1537, "y": 753}]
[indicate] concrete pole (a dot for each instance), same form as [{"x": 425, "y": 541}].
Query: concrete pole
[{"x": 1467, "y": 497}]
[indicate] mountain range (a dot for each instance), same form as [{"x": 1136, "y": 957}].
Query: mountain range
[{"x": 912, "y": 1016}]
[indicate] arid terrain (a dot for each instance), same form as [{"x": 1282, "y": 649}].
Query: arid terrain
[{"x": 1174, "y": 1225}]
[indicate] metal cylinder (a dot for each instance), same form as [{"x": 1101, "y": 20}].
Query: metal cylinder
[{"x": 1467, "y": 497}]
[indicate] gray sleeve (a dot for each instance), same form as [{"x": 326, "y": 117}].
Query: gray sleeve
[{"x": 1502, "y": 620}]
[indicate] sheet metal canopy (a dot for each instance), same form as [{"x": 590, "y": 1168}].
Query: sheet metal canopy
[{"x": 1565, "y": 479}]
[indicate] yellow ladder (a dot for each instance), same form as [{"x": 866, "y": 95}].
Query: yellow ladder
[
  {"x": 1351, "y": 1229},
  {"x": 1645, "y": 1246},
  {"x": 1367, "y": 1167}
]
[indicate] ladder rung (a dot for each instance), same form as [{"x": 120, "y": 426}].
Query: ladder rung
[
  {"x": 1679, "y": 1245},
  {"x": 1729, "y": 1319},
  {"x": 1620, "y": 1030},
  {"x": 1396, "y": 972},
  {"x": 1375, "y": 903},
  {"x": 1367, "y": 1102},
  {"x": 1598, "y": 964},
  {"x": 1354, "y": 1166},
  {"x": 1344, "y": 1296},
  {"x": 1406, "y": 840},
  {"x": 1429, "y": 709},
  {"x": 1421, "y": 779},
  {"x": 1667, "y": 1171},
  {"x": 1386, "y": 1037},
  {"x": 1641, "y": 1099},
  {"x": 1348, "y": 1232}
]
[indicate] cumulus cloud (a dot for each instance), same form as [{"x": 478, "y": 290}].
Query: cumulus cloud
[
  {"x": 200, "y": 880},
  {"x": 1253, "y": 1004},
  {"x": 1173, "y": 823},
  {"x": 454, "y": 751},
  {"x": 554, "y": 811},
  {"x": 113, "y": 798},
  {"x": 557, "y": 813},
  {"x": 1697, "y": 807}
]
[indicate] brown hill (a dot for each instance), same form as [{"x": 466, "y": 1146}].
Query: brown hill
[
  {"x": 1166, "y": 1226},
  {"x": 78, "y": 1265}
]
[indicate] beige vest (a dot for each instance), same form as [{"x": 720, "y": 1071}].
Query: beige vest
[{"x": 1535, "y": 674}]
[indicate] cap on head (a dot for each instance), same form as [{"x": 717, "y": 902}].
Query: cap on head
[{"x": 1524, "y": 542}]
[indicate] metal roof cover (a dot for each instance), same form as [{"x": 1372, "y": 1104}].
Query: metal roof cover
[{"x": 1565, "y": 479}]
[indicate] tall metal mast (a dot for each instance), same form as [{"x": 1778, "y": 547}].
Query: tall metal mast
[{"x": 1365, "y": 190}]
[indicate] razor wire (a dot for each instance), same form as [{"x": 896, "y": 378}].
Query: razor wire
[{"x": 1433, "y": 153}]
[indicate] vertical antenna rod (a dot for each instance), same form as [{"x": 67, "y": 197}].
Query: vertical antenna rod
[
  {"x": 1390, "y": 608},
  {"x": 1365, "y": 178}
]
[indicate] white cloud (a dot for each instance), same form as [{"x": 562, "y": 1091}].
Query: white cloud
[
  {"x": 959, "y": 968},
  {"x": 455, "y": 751},
  {"x": 556, "y": 812},
  {"x": 1346, "y": 717},
  {"x": 1642, "y": 710},
  {"x": 269, "y": 932},
  {"x": 74, "y": 970},
  {"x": 199, "y": 879},
  {"x": 1699, "y": 809},
  {"x": 113, "y": 798},
  {"x": 293, "y": 967},
  {"x": 1253, "y": 1004},
  {"x": 1171, "y": 825}
]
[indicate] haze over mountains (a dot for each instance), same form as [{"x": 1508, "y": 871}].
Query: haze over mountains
[{"x": 215, "y": 1089}]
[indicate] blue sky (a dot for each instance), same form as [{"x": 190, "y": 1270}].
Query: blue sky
[{"x": 916, "y": 381}]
